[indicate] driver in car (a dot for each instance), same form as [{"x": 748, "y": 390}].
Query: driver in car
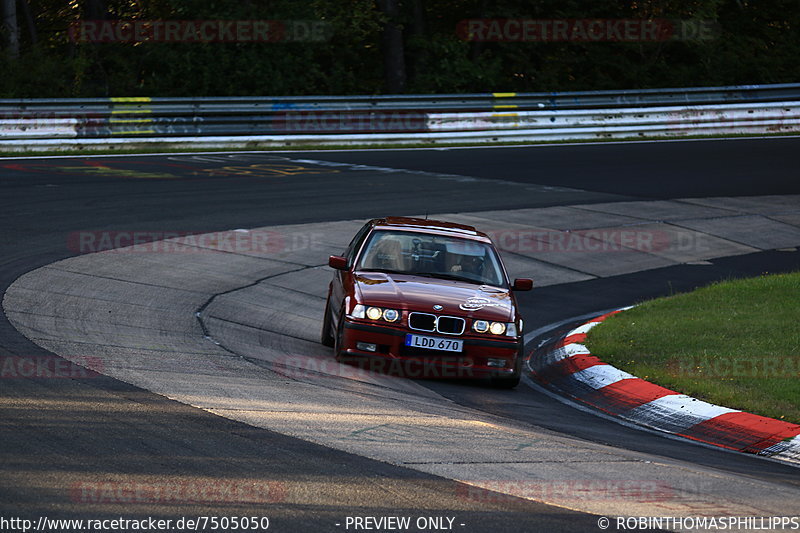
[{"x": 470, "y": 264}]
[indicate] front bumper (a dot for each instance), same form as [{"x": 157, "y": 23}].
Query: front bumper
[{"x": 394, "y": 357}]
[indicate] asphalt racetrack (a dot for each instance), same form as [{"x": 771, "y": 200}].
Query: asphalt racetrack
[{"x": 66, "y": 439}]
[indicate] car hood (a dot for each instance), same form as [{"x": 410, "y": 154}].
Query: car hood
[{"x": 457, "y": 298}]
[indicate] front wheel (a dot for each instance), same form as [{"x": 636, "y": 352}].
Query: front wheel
[
  {"x": 337, "y": 339},
  {"x": 504, "y": 382},
  {"x": 509, "y": 382},
  {"x": 326, "y": 336}
]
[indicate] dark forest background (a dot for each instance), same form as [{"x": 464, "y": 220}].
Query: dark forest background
[{"x": 389, "y": 46}]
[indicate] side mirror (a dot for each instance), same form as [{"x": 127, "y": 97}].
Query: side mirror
[
  {"x": 522, "y": 284},
  {"x": 337, "y": 262}
]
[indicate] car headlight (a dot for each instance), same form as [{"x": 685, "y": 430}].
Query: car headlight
[
  {"x": 376, "y": 313},
  {"x": 497, "y": 328},
  {"x": 481, "y": 326}
]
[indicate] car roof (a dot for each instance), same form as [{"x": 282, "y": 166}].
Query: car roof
[{"x": 425, "y": 225}]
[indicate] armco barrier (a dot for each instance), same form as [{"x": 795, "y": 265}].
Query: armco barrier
[{"x": 53, "y": 124}]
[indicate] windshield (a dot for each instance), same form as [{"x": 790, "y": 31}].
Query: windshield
[{"x": 433, "y": 256}]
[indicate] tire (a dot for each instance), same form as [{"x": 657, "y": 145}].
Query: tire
[
  {"x": 337, "y": 340},
  {"x": 505, "y": 382},
  {"x": 326, "y": 336},
  {"x": 509, "y": 382}
]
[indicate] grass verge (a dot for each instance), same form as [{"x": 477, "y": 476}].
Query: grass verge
[{"x": 734, "y": 343}]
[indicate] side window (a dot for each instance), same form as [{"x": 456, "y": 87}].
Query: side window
[{"x": 355, "y": 244}]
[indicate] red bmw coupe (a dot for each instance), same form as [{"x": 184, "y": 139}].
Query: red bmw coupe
[{"x": 425, "y": 298}]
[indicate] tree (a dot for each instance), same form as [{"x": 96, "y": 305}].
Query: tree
[
  {"x": 10, "y": 27},
  {"x": 390, "y": 46},
  {"x": 394, "y": 62}
]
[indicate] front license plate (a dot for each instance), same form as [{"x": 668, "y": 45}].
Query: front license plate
[{"x": 434, "y": 343}]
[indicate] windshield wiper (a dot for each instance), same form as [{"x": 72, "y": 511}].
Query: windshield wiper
[
  {"x": 442, "y": 275},
  {"x": 382, "y": 270}
]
